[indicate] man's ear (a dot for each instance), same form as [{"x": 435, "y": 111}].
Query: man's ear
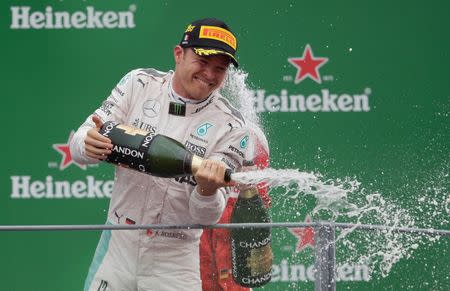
[{"x": 178, "y": 53}]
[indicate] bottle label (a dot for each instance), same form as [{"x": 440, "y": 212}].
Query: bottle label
[
  {"x": 252, "y": 261},
  {"x": 260, "y": 261},
  {"x": 130, "y": 145},
  {"x": 132, "y": 130},
  {"x": 146, "y": 141},
  {"x": 107, "y": 128},
  {"x": 256, "y": 281}
]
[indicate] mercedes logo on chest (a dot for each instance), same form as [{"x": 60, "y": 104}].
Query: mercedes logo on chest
[{"x": 151, "y": 108}]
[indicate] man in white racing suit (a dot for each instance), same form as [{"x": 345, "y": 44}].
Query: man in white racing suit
[{"x": 186, "y": 106}]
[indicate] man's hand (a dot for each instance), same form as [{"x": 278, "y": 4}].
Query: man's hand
[
  {"x": 96, "y": 145},
  {"x": 210, "y": 177}
]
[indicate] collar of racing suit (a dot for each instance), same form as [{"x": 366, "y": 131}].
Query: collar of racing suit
[{"x": 192, "y": 106}]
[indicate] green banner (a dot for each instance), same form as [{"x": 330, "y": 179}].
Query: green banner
[{"x": 354, "y": 91}]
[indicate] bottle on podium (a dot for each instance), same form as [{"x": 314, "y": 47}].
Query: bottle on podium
[{"x": 251, "y": 251}]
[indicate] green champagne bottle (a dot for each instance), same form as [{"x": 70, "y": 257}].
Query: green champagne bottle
[
  {"x": 251, "y": 251},
  {"x": 150, "y": 153}
]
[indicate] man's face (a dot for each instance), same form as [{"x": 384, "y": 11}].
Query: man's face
[{"x": 196, "y": 77}]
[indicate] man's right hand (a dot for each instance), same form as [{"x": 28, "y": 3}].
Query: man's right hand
[
  {"x": 210, "y": 177},
  {"x": 96, "y": 145}
]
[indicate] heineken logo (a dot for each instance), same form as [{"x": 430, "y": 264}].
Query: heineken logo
[
  {"x": 24, "y": 187},
  {"x": 324, "y": 101},
  {"x": 292, "y": 272},
  {"x": 309, "y": 66},
  {"x": 23, "y": 17}
]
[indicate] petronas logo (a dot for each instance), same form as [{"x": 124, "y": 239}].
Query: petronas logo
[
  {"x": 244, "y": 141},
  {"x": 202, "y": 130}
]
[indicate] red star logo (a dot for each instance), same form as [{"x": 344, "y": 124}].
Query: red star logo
[
  {"x": 307, "y": 66},
  {"x": 304, "y": 235},
  {"x": 64, "y": 150}
]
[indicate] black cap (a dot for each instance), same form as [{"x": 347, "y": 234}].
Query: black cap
[{"x": 210, "y": 36}]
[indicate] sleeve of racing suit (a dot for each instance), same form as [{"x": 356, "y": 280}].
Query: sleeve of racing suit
[
  {"x": 206, "y": 210},
  {"x": 231, "y": 149},
  {"x": 114, "y": 108}
]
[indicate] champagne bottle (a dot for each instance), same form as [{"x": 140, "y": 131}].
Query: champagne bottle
[
  {"x": 251, "y": 251},
  {"x": 150, "y": 153}
]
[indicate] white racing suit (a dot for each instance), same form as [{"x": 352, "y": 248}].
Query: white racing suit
[{"x": 161, "y": 259}]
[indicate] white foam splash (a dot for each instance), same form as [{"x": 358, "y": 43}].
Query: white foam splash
[
  {"x": 236, "y": 90},
  {"x": 344, "y": 200},
  {"x": 330, "y": 195}
]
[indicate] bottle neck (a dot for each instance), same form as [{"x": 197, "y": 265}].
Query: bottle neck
[
  {"x": 248, "y": 193},
  {"x": 195, "y": 163}
]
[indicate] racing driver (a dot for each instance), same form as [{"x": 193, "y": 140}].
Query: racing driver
[{"x": 183, "y": 104}]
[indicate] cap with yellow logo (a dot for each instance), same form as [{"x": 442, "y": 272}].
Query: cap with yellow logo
[{"x": 210, "y": 36}]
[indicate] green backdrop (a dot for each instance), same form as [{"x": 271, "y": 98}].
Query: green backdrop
[{"x": 375, "y": 107}]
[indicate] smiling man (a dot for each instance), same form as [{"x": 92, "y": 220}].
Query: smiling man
[
  {"x": 202, "y": 58},
  {"x": 183, "y": 104}
]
